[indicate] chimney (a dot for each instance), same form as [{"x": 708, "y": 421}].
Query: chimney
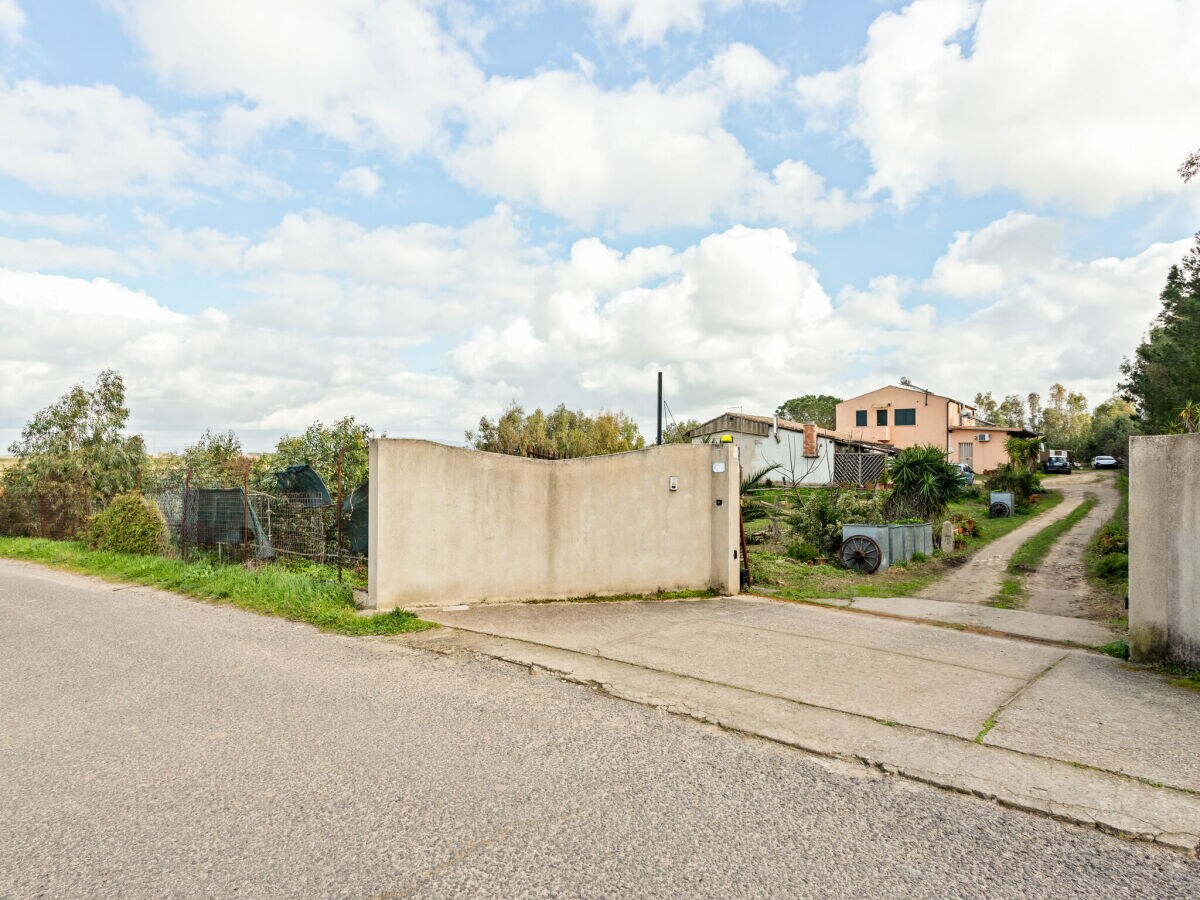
[{"x": 810, "y": 441}]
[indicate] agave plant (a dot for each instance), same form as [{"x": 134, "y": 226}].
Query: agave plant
[{"x": 923, "y": 483}]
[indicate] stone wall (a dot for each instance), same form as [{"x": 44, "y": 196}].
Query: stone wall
[
  {"x": 1164, "y": 549},
  {"x": 450, "y": 525}
]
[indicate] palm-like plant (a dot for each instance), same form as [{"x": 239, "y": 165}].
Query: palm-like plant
[
  {"x": 923, "y": 482},
  {"x": 1024, "y": 452},
  {"x": 754, "y": 509}
]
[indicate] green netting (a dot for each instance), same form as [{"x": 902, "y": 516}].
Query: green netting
[
  {"x": 304, "y": 484},
  {"x": 214, "y": 516},
  {"x": 356, "y": 512}
]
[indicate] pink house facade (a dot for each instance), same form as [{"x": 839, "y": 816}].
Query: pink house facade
[{"x": 901, "y": 416}]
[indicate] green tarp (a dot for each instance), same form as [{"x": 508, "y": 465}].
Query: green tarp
[
  {"x": 303, "y": 485},
  {"x": 355, "y": 511}
]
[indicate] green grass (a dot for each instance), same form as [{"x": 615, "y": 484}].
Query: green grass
[
  {"x": 987, "y": 726},
  {"x": 270, "y": 590},
  {"x": 1110, "y": 580},
  {"x": 783, "y": 577},
  {"x": 1031, "y": 553},
  {"x": 1118, "y": 649}
]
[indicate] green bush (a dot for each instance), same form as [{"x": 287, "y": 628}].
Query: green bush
[
  {"x": 918, "y": 557},
  {"x": 1113, "y": 566},
  {"x": 802, "y": 552},
  {"x": 818, "y": 515},
  {"x": 1111, "y": 538},
  {"x": 130, "y": 524},
  {"x": 1019, "y": 482}
]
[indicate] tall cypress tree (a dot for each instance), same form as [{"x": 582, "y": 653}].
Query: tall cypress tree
[{"x": 1164, "y": 373}]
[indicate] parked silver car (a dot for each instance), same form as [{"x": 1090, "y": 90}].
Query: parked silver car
[
  {"x": 1105, "y": 462},
  {"x": 965, "y": 472}
]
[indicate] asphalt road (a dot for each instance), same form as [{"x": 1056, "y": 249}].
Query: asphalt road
[{"x": 155, "y": 746}]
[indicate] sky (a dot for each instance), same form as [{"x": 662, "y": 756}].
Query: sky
[{"x": 268, "y": 213}]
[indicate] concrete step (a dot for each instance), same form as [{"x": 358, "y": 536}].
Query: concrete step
[{"x": 1115, "y": 803}]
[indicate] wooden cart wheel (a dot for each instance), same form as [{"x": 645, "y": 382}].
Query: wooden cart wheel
[
  {"x": 861, "y": 554},
  {"x": 999, "y": 510}
]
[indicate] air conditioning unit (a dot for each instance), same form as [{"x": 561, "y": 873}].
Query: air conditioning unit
[{"x": 983, "y": 438}]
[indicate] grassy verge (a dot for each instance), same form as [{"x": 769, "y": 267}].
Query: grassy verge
[
  {"x": 269, "y": 590},
  {"x": 1107, "y": 559},
  {"x": 787, "y": 578},
  {"x": 1031, "y": 553}
]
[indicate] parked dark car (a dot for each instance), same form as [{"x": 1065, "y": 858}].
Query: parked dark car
[
  {"x": 1057, "y": 465},
  {"x": 1105, "y": 462}
]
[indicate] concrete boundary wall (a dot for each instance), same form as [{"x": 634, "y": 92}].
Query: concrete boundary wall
[
  {"x": 450, "y": 525},
  {"x": 1164, "y": 548}
]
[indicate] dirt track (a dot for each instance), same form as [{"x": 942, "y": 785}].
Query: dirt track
[
  {"x": 1059, "y": 586},
  {"x": 979, "y": 579}
]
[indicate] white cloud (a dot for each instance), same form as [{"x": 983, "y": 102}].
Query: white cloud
[
  {"x": 40, "y": 254},
  {"x": 637, "y": 158},
  {"x": 63, "y": 223},
  {"x": 983, "y": 262},
  {"x": 1084, "y": 102},
  {"x": 648, "y": 21},
  {"x": 743, "y": 72},
  {"x": 94, "y": 141},
  {"x": 361, "y": 71},
  {"x": 12, "y": 21},
  {"x": 332, "y": 312},
  {"x": 361, "y": 180}
]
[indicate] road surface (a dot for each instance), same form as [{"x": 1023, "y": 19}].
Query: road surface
[{"x": 152, "y": 745}]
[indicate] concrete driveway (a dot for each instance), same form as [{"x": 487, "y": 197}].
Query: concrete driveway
[{"x": 953, "y": 705}]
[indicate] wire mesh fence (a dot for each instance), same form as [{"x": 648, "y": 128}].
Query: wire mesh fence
[
  {"x": 215, "y": 514},
  {"x": 46, "y": 508}
]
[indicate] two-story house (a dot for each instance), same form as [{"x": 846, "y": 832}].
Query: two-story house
[{"x": 904, "y": 416}]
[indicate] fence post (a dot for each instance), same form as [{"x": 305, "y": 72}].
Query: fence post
[
  {"x": 37, "y": 493},
  {"x": 338, "y": 512},
  {"x": 245, "y": 511},
  {"x": 187, "y": 489},
  {"x": 87, "y": 496}
]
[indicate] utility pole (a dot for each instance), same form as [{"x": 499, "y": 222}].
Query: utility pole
[{"x": 660, "y": 409}]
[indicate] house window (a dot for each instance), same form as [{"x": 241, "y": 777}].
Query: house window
[
  {"x": 906, "y": 417},
  {"x": 881, "y": 417},
  {"x": 860, "y": 418},
  {"x": 966, "y": 453}
]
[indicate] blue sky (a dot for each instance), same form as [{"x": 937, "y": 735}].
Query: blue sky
[{"x": 413, "y": 213}]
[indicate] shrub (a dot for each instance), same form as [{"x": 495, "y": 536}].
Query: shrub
[
  {"x": 130, "y": 524},
  {"x": 1113, "y": 566},
  {"x": 814, "y": 520},
  {"x": 819, "y": 515},
  {"x": 802, "y": 552},
  {"x": 1111, "y": 538},
  {"x": 918, "y": 557},
  {"x": 923, "y": 483},
  {"x": 1019, "y": 482}
]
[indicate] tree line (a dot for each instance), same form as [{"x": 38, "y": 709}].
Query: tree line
[{"x": 80, "y": 442}]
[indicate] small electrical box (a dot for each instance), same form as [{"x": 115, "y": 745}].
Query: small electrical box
[
  {"x": 718, "y": 467},
  {"x": 673, "y": 483}
]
